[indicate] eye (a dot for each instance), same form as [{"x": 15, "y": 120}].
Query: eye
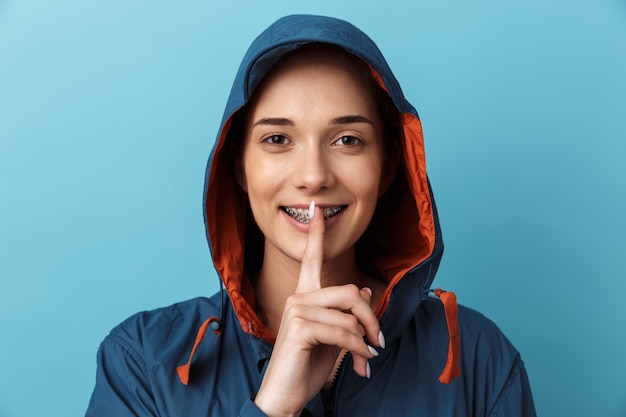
[
  {"x": 349, "y": 141},
  {"x": 276, "y": 139}
]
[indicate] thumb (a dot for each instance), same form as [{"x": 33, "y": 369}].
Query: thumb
[{"x": 366, "y": 293}]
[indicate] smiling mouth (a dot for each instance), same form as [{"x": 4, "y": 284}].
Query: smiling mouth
[{"x": 302, "y": 215}]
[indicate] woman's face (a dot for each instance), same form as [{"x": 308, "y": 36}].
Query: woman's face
[{"x": 313, "y": 133}]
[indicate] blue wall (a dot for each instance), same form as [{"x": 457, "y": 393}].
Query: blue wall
[{"x": 108, "y": 111}]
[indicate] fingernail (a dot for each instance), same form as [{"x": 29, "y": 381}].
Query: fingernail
[
  {"x": 372, "y": 350},
  {"x": 312, "y": 209},
  {"x": 381, "y": 339},
  {"x": 368, "y": 370},
  {"x": 367, "y": 290}
]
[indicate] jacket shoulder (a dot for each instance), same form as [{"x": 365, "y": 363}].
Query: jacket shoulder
[
  {"x": 493, "y": 376},
  {"x": 144, "y": 334},
  {"x": 141, "y": 353},
  {"x": 481, "y": 334},
  {"x": 475, "y": 327}
]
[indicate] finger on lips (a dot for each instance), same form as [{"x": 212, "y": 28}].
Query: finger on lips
[
  {"x": 338, "y": 316},
  {"x": 311, "y": 267}
]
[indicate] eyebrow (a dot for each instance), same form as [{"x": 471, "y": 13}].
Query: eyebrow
[
  {"x": 274, "y": 121},
  {"x": 342, "y": 120},
  {"x": 353, "y": 118}
]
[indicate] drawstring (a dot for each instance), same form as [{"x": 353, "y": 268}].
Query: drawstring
[
  {"x": 450, "y": 371},
  {"x": 214, "y": 323},
  {"x": 450, "y": 307}
]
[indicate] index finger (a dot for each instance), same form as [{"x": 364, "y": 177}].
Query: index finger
[{"x": 311, "y": 267}]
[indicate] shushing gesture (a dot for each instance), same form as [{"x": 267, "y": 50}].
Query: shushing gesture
[{"x": 317, "y": 325}]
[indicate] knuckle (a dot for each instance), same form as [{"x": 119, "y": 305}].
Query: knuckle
[
  {"x": 352, "y": 290},
  {"x": 298, "y": 324},
  {"x": 353, "y": 324},
  {"x": 342, "y": 335},
  {"x": 294, "y": 310},
  {"x": 297, "y": 310},
  {"x": 292, "y": 300}
]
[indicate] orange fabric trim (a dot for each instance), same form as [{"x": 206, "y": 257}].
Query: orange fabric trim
[
  {"x": 378, "y": 78},
  {"x": 450, "y": 306},
  {"x": 183, "y": 370},
  {"x": 415, "y": 167},
  {"x": 225, "y": 196}
]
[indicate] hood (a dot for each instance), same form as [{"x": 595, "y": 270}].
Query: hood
[{"x": 405, "y": 227}]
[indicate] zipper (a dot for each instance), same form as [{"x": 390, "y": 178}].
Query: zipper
[{"x": 330, "y": 392}]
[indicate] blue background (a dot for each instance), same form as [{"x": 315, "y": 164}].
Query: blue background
[{"x": 108, "y": 111}]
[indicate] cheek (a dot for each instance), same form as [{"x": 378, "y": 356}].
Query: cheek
[
  {"x": 261, "y": 179},
  {"x": 366, "y": 179}
]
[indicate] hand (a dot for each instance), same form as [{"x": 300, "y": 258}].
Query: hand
[{"x": 317, "y": 324}]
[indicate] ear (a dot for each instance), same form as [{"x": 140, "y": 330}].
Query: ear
[{"x": 390, "y": 168}]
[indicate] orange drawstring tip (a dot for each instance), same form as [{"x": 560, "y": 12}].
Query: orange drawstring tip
[
  {"x": 183, "y": 373},
  {"x": 451, "y": 309},
  {"x": 184, "y": 370}
]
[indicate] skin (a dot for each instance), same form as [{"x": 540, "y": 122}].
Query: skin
[{"x": 313, "y": 133}]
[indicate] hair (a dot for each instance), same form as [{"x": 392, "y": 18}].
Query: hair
[
  {"x": 392, "y": 134},
  {"x": 387, "y": 111}
]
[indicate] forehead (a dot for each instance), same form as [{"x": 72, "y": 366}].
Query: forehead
[{"x": 324, "y": 76}]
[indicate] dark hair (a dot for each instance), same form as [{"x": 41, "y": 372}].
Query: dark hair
[{"x": 389, "y": 115}]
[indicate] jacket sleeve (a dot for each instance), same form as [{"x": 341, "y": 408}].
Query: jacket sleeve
[
  {"x": 493, "y": 370},
  {"x": 515, "y": 399},
  {"x": 121, "y": 388}
]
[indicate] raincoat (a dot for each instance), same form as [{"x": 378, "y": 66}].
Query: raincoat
[{"x": 207, "y": 356}]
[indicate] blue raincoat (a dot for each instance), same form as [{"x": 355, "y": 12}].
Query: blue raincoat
[{"x": 207, "y": 356}]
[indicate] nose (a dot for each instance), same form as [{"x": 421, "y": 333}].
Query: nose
[{"x": 313, "y": 169}]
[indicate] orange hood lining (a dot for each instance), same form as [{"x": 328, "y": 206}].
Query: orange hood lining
[
  {"x": 226, "y": 207},
  {"x": 226, "y": 213}
]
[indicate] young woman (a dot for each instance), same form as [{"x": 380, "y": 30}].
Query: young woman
[{"x": 323, "y": 229}]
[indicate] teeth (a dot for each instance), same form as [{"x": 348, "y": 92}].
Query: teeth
[
  {"x": 302, "y": 215},
  {"x": 330, "y": 212}
]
